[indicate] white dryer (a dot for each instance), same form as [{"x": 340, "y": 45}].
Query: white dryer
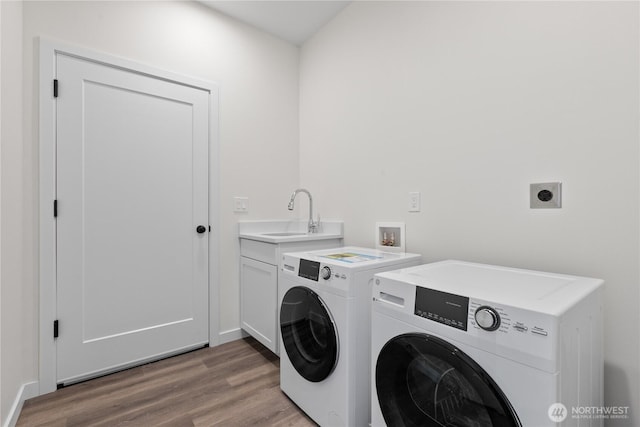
[
  {"x": 463, "y": 344},
  {"x": 325, "y": 315}
]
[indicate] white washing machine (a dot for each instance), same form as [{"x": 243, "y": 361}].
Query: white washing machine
[
  {"x": 462, "y": 344},
  {"x": 325, "y": 315}
]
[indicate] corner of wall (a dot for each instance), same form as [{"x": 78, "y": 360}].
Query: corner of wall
[
  {"x": 14, "y": 370},
  {"x": 27, "y": 391}
]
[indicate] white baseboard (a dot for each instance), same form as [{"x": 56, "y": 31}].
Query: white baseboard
[
  {"x": 231, "y": 335},
  {"x": 27, "y": 391}
]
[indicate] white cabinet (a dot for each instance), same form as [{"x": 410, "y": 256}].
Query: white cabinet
[
  {"x": 259, "y": 301},
  {"x": 259, "y": 264}
]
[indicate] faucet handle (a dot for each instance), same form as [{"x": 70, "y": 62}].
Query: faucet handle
[{"x": 314, "y": 225}]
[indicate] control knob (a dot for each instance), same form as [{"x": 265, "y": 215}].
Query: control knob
[
  {"x": 325, "y": 273},
  {"x": 487, "y": 318}
]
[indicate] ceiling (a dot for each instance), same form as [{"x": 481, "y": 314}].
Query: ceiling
[{"x": 294, "y": 20}]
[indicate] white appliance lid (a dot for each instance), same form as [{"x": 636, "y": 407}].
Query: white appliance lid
[
  {"x": 355, "y": 257},
  {"x": 546, "y": 292}
]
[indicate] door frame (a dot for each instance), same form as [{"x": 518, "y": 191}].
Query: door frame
[{"x": 48, "y": 49}]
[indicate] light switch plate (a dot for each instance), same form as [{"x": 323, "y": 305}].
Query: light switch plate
[
  {"x": 414, "y": 201},
  {"x": 241, "y": 204},
  {"x": 547, "y": 195}
]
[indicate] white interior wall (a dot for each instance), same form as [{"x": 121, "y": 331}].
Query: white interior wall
[
  {"x": 258, "y": 79},
  {"x": 12, "y": 293},
  {"x": 469, "y": 103},
  {"x": 2, "y": 410}
]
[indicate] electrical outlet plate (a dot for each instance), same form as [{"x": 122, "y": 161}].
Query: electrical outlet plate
[{"x": 547, "y": 195}]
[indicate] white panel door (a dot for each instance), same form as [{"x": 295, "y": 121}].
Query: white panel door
[{"x": 132, "y": 188}]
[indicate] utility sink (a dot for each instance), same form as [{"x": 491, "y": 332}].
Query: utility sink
[{"x": 288, "y": 231}]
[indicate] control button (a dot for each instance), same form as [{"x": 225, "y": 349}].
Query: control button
[
  {"x": 325, "y": 273},
  {"x": 539, "y": 331},
  {"x": 520, "y": 327},
  {"x": 343, "y": 276},
  {"x": 487, "y": 318}
]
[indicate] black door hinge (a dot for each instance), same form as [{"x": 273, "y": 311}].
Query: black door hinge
[
  {"x": 55, "y": 88},
  {"x": 55, "y": 329},
  {"x": 55, "y": 208}
]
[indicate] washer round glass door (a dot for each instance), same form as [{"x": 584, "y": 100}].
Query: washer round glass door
[
  {"x": 308, "y": 333},
  {"x": 422, "y": 380}
]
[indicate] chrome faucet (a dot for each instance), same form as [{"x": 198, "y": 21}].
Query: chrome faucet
[{"x": 313, "y": 225}]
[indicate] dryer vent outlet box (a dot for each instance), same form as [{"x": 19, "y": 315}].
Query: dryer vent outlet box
[{"x": 546, "y": 195}]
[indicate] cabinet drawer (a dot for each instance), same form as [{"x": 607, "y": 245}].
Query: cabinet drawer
[{"x": 260, "y": 251}]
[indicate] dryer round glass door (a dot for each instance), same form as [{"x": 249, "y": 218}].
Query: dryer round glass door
[
  {"x": 309, "y": 334},
  {"x": 422, "y": 380}
]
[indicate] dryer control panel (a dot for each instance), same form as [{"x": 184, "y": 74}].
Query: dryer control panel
[
  {"x": 442, "y": 307},
  {"x": 508, "y": 320},
  {"x": 469, "y": 314}
]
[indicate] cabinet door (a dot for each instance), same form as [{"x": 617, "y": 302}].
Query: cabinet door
[{"x": 258, "y": 301}]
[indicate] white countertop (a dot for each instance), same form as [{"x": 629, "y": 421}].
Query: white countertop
[{"x": 285, "y": 231}]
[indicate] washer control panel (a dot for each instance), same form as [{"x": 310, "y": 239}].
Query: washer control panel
[
  {"x": 507, "y": 320},
  {"x": 442, "y": 307},
  {"x": 308, "y": 269},
  {"x": 316, "y": 271},
  {"x": 332, "y": 273},
  {"x": 313, "y": 270},
  {"x": 487, "y": 318},
  {"x": 476, "y": 316},
  {"x": 325, "y": 273}
]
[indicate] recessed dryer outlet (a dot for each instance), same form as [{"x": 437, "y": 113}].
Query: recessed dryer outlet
[{"x": 547, "y": 195}]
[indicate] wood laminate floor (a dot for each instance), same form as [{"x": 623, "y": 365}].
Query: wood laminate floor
[{"x": 235, "y": 384}]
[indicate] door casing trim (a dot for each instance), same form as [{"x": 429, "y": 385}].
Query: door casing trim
[{"x": 48, "y": 50}]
